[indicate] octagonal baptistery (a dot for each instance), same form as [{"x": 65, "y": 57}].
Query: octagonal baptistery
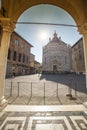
[{"x": 56, "y": 56}]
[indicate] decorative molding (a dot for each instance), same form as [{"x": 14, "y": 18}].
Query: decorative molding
[
  {"x": 7, "y": 24},
  {"x": 83, "y": 29}
]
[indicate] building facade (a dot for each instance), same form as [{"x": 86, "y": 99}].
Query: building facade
[
  {"x": 78, "y": 63},
  {"x": 56, "y": 56},
  {"x": 18, "y": 62},
  {"x": 38, "y": 67},
  {"x": 35, "y": 66},
  {"x": 32, "y": 65}
]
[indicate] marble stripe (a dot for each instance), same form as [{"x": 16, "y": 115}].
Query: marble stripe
[
  {"x": 12, "y": 126},
  {"x": 49, "y": 118},
  {"x": 74, "y": 118},
  {"x": 2, "y": 113},
  {"x": 49, "y": 127},
  {"x": 85, "y": 112},
  {"x": 23, "y": 119},
  {"x": 83, "y": 126},
  {"x": 25, "y": 108}
]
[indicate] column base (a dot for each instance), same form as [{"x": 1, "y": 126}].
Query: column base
[{"x": 3, "y": 102}]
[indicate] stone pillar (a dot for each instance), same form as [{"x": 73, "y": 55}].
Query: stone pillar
[
  {"x": 4, "y": 45},
  {"x": 83, "y": 31}
]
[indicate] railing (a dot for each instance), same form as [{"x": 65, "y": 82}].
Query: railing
[{"x": 40, "y": 89}]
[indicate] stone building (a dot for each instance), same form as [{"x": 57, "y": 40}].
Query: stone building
[
  {"x": 35, "y": 67},
  {"x": 32, "y": 65},
  {"x": 38, "y": 67},
  {"x": 18, "y": 61},
  {"x": 56, "y": 56},
  {"x": 78, "y": 63}
]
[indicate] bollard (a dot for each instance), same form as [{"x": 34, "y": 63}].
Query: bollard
[
  {"x": 44, "y": 93},
  {"x": 69, "y": 91},
  {"x": 18, "y": 89},
  {"x": 31, "y": 89},
  {"x": 75, "y": 89},
  {"x": 11, "y": 89},
  {"x": 57, "y": 90}
]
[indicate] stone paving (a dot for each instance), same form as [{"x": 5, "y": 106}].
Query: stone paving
[
  {"x": 46, "y": 89},
  {"x": 23, "y": 93}
]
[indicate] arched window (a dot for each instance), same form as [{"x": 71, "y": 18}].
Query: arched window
[
  {"x": 15, "y": 55},
  {"x": 9, "y": 54}
]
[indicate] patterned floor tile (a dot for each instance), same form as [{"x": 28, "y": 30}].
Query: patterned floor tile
[
  {"x": 43, "y": 120},
  {"x": 49, "y": 127}
]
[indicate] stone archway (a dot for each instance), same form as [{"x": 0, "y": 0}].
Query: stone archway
[
  {"x": 12, "y": 10},
  {"x": 70, "y": 7}
]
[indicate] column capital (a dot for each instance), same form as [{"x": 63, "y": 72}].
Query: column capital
[
  {"x": 7, "y": 25},
  {"x": 83, "y": 29}
]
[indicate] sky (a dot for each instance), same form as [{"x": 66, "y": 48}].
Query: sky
[{"x": 38, "y": 35}]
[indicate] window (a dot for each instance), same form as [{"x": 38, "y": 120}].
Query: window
[
  {"x": 80, "y": 57},
  {"x": 79, "y": 46},
  {"x": 16, "y": 42},
  {"x": 19, "y": 58},
  {"x": 79, "y": 52},
  {"x": 22, "y": 46},
  {"x": 9, "y": 54},
  {"x": 65, "y": 59},
  {"x": 15, "y": 55},
  {"x": 27, "y": 59},
  {"x": 74, "y": 49},
  {"x": 45, "y": 60},
  {"x": 23, "y": 58}
]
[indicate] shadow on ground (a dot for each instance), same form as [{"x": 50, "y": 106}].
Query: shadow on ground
[{"x": 74, "y": 81}]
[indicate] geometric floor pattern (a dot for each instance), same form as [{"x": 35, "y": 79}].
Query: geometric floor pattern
[{"x": 57, "y": 118}]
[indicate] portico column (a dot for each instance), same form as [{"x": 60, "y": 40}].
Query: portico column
[
  {"x": 83, "y": 31},
  {"x": 4, "y": 45}
]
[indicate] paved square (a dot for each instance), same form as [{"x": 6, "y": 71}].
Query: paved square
[{"x": 46, "y": 89}]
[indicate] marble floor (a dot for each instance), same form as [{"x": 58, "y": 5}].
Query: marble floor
[{"x": 58, "y": 117}]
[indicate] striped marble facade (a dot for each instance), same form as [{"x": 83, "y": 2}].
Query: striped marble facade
[{"x": 56, "y": 56}]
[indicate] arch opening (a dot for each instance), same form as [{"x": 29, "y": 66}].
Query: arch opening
[
  {"x": 42, "y": 33},
  {"x": 39, "y": 33}
]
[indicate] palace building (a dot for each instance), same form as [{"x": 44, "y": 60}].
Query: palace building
[
  {"x": 18, "y": 61},
  {"x": 56, "y": 56},
  {"x": 78, "y": 61}
]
